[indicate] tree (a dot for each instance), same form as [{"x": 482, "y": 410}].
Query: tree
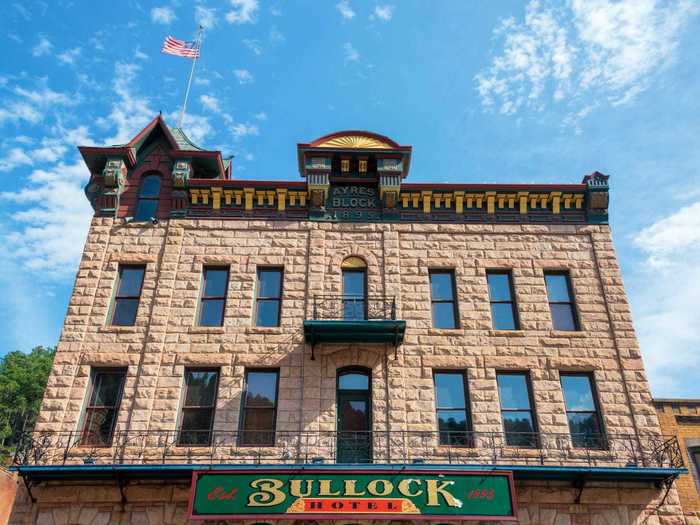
[{"x": 23, "y": 379}]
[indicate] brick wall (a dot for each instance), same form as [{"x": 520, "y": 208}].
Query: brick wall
[{"x": 683, "y": 420}]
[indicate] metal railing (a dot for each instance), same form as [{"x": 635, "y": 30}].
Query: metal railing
[
  {"x": 353, "y": 307},
  {"x": 380, "y": 447}
]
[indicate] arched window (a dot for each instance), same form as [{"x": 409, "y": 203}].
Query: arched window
[
  {"x": 149, "y": 192},
  {"x": 354, "y": 289}
]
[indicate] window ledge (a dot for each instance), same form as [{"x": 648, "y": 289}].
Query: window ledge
[
  {"x": 508, "y": 333},
  {"x": 207, "y": 330},
  {"x": 264, "y": 330},
  {"x": 113, "y": 329},
  {"x": 464, "y": 449},
  {"x": 568, "y": 333},
  {"x": 446, "y": 331}
]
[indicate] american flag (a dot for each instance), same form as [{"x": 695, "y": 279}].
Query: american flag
[{"x": 181, "y": 48}]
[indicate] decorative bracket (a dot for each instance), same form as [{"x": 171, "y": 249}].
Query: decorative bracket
[
  {"x": 318, "y": 186},
  {"x": 105, "y": 196},
  {"x": 597, "y": 197}
]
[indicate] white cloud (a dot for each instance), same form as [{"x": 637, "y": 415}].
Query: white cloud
[
  {"x": 163, "y": 15},
  {"x": 197, "y": 128},
  {"x": 261, "y": 116},
  {"x": 69, "y": 56},
  {"x": 131, "y": 111},
  {"x": 276, "y": 36},
  {"x": 46, "y": 97},
  {"x": 51, "y": 150},
  {"x": 201, "y": 81},
  {"x": 32, "y": 104},
  {"x": 668, "y": 319},
  {"x": 663, "y": 240},
  {"x": 242, "y": 12},
  {"x": 206, "y": 16},
  {"x": 241, "y": 130},
  {"x": 383, "y": 12},
  {"x": 140, "y": 55},
  {"x": 243, "y": 76},
  {"x": 210, "y": 102},
  {"x": 51, "y": 231},
  {"x": 581, "y": 52},
  {"x": 351, "y": 54},
  {"x": 253, "y": 45},
  {"x": 345, "y": 10},
  {"x": 19, "y": 111},
  {"x": 14, "y": 158},
  {"x": 43, "y": 47}
]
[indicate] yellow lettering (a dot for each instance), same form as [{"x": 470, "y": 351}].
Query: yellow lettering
[
  {"x": 324, "y": 488},
  {"x": 405, "y": 487},
  {"x": 295, "y": 488},
  {"x": 387, "y": 487},
  {"x": 434, "y": 490},
  {"x": 350, "y": 489},
  {"x": 269, "y": 493}
]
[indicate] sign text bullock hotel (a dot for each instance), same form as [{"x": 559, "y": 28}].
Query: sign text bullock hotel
[{"x": 455, "y": 495}]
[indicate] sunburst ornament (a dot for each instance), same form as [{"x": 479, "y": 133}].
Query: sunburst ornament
[{"x": 354, "y": 142}]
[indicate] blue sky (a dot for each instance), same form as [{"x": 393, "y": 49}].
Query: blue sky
[{"x": 504, "y": 91}]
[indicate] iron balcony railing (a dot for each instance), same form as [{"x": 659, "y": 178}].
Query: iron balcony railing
[
  {"x": 353, "y": 308},
  {"x": 379, "y": 447}
]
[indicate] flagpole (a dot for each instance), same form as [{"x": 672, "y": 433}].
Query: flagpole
[{"x": 189, "y": 82}]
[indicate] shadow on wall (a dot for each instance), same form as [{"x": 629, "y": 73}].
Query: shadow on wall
[{"x": 8, "y": 492}]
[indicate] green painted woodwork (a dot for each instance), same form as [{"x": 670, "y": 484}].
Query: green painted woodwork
[
  {"x": 339, "y": 331},
  {"x": 311, "y": 494}
]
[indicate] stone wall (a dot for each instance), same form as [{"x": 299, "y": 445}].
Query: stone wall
[
  {"x": 165, "y": 340},
  {"x": 538, "y": 504}
]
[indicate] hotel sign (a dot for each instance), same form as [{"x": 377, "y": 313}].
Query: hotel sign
[{"x": 336, "y": 494}]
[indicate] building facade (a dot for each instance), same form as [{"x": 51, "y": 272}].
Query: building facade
[
  {"x": 345, "y": 347},
  {"x": 681, "y": 418}
]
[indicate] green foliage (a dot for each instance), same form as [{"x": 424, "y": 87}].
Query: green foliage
[{"x": 23, "y": 379}]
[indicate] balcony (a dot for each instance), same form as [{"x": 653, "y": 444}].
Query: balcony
[
  {"x": 338, "y": 319},
  {"x": 162, "y": 454}
]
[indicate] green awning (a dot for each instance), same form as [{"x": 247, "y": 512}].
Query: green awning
[{"x": 339, "y": 331}]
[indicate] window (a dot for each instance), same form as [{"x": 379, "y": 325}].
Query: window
[
  {"x": 269, "y": 301},
  {"x": 259, "y": 413},
  {"x": 503, "y": 312},
  {"x": 102, "y": 406},
  {"x": 198, "y": 406},
  {"x": 442, "y": 294},
  {"x": 582, "y": 411},
  {"x": 454, "y": 422},
  {"x": 354, "y": 415},
  {"x": 213, "y": 300},
  {"x": 147, "y": 206},
  {"x": 128, "y": 294},
  {"x": 561, "y": 301},
  {"x": 516, "y": 409},
  {"x": 354, "y": 294},
  {"x": 694, "y": 454}
]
